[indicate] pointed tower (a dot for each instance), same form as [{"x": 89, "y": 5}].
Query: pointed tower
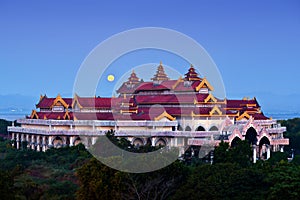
[
  {"x": 192, "y": 75},
  {"x": 160, "y": 74},
  {"x": 133, "y": 79}
]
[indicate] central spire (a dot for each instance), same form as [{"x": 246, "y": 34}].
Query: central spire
[
  {"x": 160, "y": 74},
  {"x": 133, "y": 79},
  {"x": 192, "y": 75}
]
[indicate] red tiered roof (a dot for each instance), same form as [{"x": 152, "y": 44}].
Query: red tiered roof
[
  {"x": 140, "y": 97},
  {"x": 46, "y": 102},
  {"x": 53, "y": 115},
  {"x": 95, "y": 102},
  {"x": 259, "y": 116},
  {"x": 241, "y": 103},
  {"x": 150, "y": 86},
  {"x": 170, "y": 98},
  {"x": 174, "y": 111}
]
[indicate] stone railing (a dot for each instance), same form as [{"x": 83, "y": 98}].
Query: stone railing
[
  {"x": 276, "y": 130},
  {"x": 55, "y": 131},
  {"x": 189, "y": 134},
  {"x": 281, "y": 141},
  {"x": 96, "y": 122},
  {"x": 201, "y": 142},
  {"x": 150, "y": 133}
]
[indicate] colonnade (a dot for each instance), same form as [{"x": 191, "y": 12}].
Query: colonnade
[{"x": 43, "y": 142}]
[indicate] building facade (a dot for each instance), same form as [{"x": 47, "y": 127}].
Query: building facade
[{"x": 176, "y": 113}]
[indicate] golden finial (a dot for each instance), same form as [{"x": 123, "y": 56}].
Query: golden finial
[{"x": 160, "y": 62}]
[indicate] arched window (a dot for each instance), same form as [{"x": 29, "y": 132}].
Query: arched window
[
  {"x": 213, "y": 128},
  {"x": 200, "y": 128},
  {"x": 179, "y": 128},
  {"x": 188, "y": 128}
]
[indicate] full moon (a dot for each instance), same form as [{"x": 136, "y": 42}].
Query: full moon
[{"x": 110, "y": 78}]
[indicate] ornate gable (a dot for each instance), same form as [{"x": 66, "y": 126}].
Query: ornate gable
[
  {"x": 204, "y": 84},
  {"x": 58, "y": 101},
  {"x": 34, "y": 115},
  {"x": 165, "y": 115},
  {"x": 215, "y": 111}
]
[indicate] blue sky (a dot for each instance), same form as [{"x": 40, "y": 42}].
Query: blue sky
[{"x": 255, "y": 44}]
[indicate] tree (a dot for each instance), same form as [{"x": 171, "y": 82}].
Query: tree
[
  {"x": 221, "y": 153},
  {"x": 6, "y": 185},
  {"x": 240, "y": 154},
  {"x": 284, "y": 181},
  {"x": 223, "y": 181},
  {"x": 98, "y": 181}
]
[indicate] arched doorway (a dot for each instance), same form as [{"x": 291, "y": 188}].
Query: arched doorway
[
  {"x": 137, "y": 142},
  {"x": 77, "y": 141},
  {"x": 200, "y": 128},
  {"x": 235, "y": 142},
  {"x": 264, "y": 148},
  {"x": 57, "y": 142},
  {"x": 160, "y": 142},
  {"x": 251, "y": 136}
]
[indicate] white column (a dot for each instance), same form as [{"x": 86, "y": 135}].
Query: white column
[
  {"x": 13, "y": 138},
  {"x": 22, "y": 140},
  {"x": 181, "y": 151},
  {"x": 28, "y": 141},
  {"x": 38, "y": 147},
  {"x": 268, "y": 152},
  {"x": 254, "y": 153},
  {"x": 153, "y": 141},
  {"x": 72, "y": 138},
  {"x": 18, "y": 141},
  {"x": 94, "y": 140},
  {"x": 32, "y": 142},
  {"x": 50, "y": 141},
  {"x": 44, "y": 145},
  {"x": 22, "y": 137},
  {"x": 281, "y": 148}
]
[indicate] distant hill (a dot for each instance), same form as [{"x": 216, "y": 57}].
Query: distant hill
[
  {"x": 16, "y": 106},
  {"x": 17, "y": 102}
]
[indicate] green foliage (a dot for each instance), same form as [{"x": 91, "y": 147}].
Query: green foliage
[
  {"x": 277, "y": 157},
  {"x": 71, "y": 172},
  {"x": 6, "y": 185},
  {"x": 98, "y": 181},
  {"x": 223, "y": 181},
  {"x": 3, "y": 126},
  {"x": 293, "y": 133},
  {"x": 284, "y": 181},
  {"x": 241, "y": 154},
  {"x": 39, "y": 175}
]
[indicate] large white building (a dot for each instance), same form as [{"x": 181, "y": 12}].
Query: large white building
[{"x": 179, "y": 113}]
